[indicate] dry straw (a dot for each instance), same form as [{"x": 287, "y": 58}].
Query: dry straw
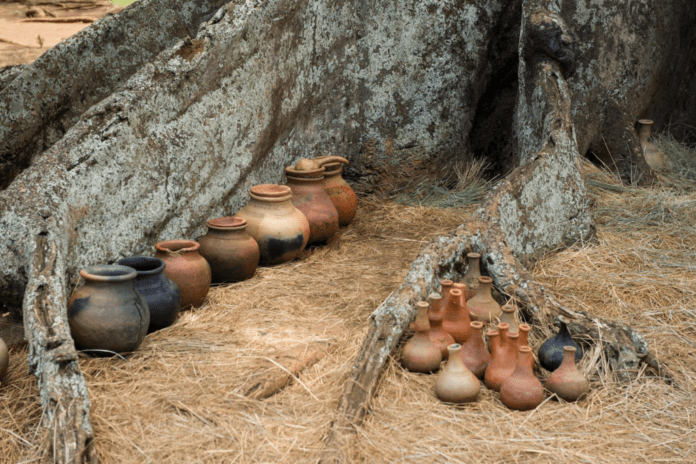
[{"x": 182, "y": 396}]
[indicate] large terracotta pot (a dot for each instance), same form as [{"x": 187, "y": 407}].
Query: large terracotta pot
[
  {"x": 567, "y": 381},
  {"x": 233, "y": 254},
  {"x": 106, "y": 314},
  {"x": 162, "y": 295},
  {"x": 474, "y": 352},
  {"x": 420, "y": 354},
  {"x": 341, "y": 194},
  {"x": 4, "y": 359},
  {"x": 437, "y": 334},
  {"x": 522, "y": 390},
  {"x": 455, "y": 383},
  {"x": 187, "y": 268},
  {"x": 279, "y": 228},
  {"x": 308, "y": 196}
]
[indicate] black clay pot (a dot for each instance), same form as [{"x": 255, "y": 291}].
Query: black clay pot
[
  {"x": 106, "y": 314},
  {"x": 551, "y": 351},
  {"x": 161, "y": 293}
]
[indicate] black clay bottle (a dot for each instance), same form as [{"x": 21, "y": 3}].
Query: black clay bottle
[{"x": 551, "y": 351}]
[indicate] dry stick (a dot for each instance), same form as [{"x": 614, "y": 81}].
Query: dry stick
[{"x": 72, "y": 19}]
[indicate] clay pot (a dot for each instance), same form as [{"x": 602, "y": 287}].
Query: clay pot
[
  {"x": 446, "y": 285},
  {"x": 106, "y": 313},
  {"x": 650, "y": 152},
  {"x": 522, "y": 390},
  {"x": 474, "y": 353},
  {"x": 4, "y": 359},
  {"x": 187, "y": 268},
  {"x": 482, "y": 306},
  {"x": 509, "y": 316},
  {"x": 341, "y": 194},
  {"x": 420, "y": 354},
  {"x": 523, "y": 330},
  {"x": 280, "y": 229},
  {"x": 473, "y": 272},
  {"x": 308, "y": 196},
  {"x": 456, "y": 321},
  {"x": 551, "y": 351},
  {"x": 567, "y": 381},
  {"x": 162, "y": 295},
  {"x": 503, "y": 357},
  {"x": 455, "y": 383},
  {"x": 437, "y": 334},
  {"x": 233, "y": 254}
]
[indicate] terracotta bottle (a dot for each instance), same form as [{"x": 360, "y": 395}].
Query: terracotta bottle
[
  {"x": 503, "y": 357},
  {"x": 341, "y": 194},
  {"x": 4, "y": 359},
  {"x": 446, "y": 285},
  {"x": 522, "y": 390},
  {"x": 473, "y": 272},
  {"x": 650, "y": 152},
  {"x": 187, "y": 268},
  {"x": 523, "y": 330},
  {"x": 106, "y": 314},
  {"x": 551, "y": 351},
  {"x": 233, "y": 254},
  {"x": 437, "y": 334},
  {"x": 509, "y": 316},
  {"x": 420, "y": 354},
  {"x": 474, "y": 352},
  {"x": 567, "y": 381},
  {"x": 280, "y": 229},
  {"x": 456, "y": 321},
  {"x": 308, "y": 196},
  {"x": 455, "y": 383},
  {"x": 482, "y": 306}
]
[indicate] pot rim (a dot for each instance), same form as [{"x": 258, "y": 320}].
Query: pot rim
[
  {"x": 156, "y": 265},
  {"x": 227, "y": 223},
  {"x": 645, "y": 122},
  {"x": 270, "y": 192},
  {"x": 177, "y": 246},
  {"x": 108, "y": 273},
  {"x": 313, "y": 174},
  {"x": 333, "y": 169}
]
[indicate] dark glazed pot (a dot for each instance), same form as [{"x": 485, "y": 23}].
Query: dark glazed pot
[
  {"x": 4, "y": 359},
  {"x": 233, "y": 254},
  {"x": 106, "y": 312},
  {"x": 308, "y": 196},
  {"x": 551, "y": 351},
  {"x": 341, "y": 194},
  {"x": 161, "y": 293},
  {"x": 280, "y": 229},
  {"x": 187, "y": 268}
]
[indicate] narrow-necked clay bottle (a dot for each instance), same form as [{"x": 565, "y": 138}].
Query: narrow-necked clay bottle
[
  {"x": 341, "y": 194},
  {"x": 521, "y": 390},
  {"x": 474, "y": 352},
  {"x": 308, "y": 196},
  {"x": 420, "y": 354},
  {"x": 4, "y": 359},
  {"x": 473, "y": 272},
  {"x": 567, "y": 381},
  {"x": 503, "y": 357},
  {"x": 455, "y": 383},
  {"x": 233, "y": 254},
  {"x": 437, "y": 334},
  {"x": 551, "y": 351},
  {"x": 482, "y": 306},
  {"x": 509, "y": 316},
  {"x": 456, "y": 321},
  {"x": 650, "y": 152},
  {"x": 187, "y": 268},
  {"x": 446, "y": 285},
  {"x": 523, "y": 330}
]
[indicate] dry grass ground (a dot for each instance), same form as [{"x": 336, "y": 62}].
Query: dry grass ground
[{"x": 182, "y": 396}]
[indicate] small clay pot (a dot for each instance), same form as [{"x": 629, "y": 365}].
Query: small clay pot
[
  {"x": 567, "y": 381},
  {"x": 509, "y": 316},
  {"x": 280, "y": 229},
  {"x": 420, "y": 354},
  {"x": 521, "y": 390},
  {"x": 551, "y": 352},
  {"x": 162, "y": 295},
  {"x": 473, "y": 272},
  {"x": 503, "y": 357},
  {"x": 308, "y": 196},
  {"x": 187, "y": 268},
  {"x": 482, "y": 306},
  {"x": 455, "y": 383},
  {"x": 4, "y": 359},
  {"x": 105, "y": 313},
  {"x": 437, "y": 334},
  {"x": 233, "y": 254},
  {"x": 456, "y": 320},
  {"x": 340, "y": 193},
  {"x": 650, "y": 152},
  {"x": 474, "y": 352}
]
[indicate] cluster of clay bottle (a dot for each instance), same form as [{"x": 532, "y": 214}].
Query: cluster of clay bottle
[
  {"x": 451, "y": 327},
  {"x": 117, "y": 305}
]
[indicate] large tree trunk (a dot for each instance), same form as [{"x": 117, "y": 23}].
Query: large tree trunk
[{"x": 403, "y": 89}]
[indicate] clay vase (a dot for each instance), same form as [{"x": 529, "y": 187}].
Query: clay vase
[
  {"x": 420, "y": 354},
  {"x": 308, "y": 196},
  {"x": 523, "y": 330},
  {"x": 187, "y": 268},
  {"x": 474, "y": 353},
  {"x": 4, "y": 359},
  {"x": 340, "y": 193},
  {"x": 503, "y": 357},
  {"x": 233, "y": 254},
  {"x": 280, "y": 229},
  {"x": 105, "y": 313},
  {"x": 455, "y": 383},
  {"x": 473, "y": 272},
  {"x": 522, "y": 390},
  {"x": 650, "y": 152},
  {"x": 551, "y": 351},
  {"x": 482, "y": 306},
  {"x": 446, "y": 285},
  {"x": 162, "y": 295},
  {"x": 437, "y": 334},
  {"x": 455, "y": 320},
  {"x": 509, "y": 316},
  {"x": 567, "y": 381}
]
